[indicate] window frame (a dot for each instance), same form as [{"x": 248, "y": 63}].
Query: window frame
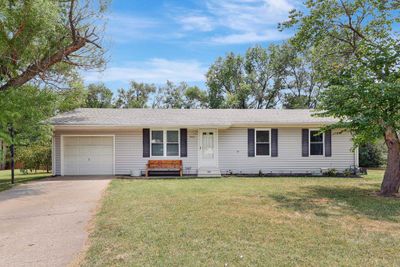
[
  {"x": 165, "y": 142},
  {"x": 255, "y": 141},
  {"x": 322, "y": 142}
]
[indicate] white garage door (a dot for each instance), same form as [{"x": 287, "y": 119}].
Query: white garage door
[{"x": 88, "y": 155}]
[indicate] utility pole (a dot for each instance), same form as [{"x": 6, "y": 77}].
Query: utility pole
[{"x": 12, "y": 134}]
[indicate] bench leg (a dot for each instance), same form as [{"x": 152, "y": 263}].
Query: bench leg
[
  {"x": 147, "y": 173},
  {"x": 180, "y": 173}
]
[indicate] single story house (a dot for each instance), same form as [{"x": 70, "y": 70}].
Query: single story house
[{"x": 210, "y": 142}]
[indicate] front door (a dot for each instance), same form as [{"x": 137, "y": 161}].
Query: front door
[{"x": 208, "y": 156}]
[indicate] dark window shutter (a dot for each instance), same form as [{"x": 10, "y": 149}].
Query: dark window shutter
[
  {"x": 183, "y": 142},
  {"x": 146, "y": 143},
  {"x": 274, "y": 142},
  {"x": 250, "y": 143},
  {"x": 304, "y": 142},
  {"x": 328, "y": 143}
]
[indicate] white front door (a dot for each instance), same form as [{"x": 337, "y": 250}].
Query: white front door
[{"x": 208, "y": 150}]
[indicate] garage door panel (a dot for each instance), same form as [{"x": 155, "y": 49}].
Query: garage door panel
[{"x": 88, "y": 155}]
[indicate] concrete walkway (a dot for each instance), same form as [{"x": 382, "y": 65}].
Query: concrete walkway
[{"x": 45, "y": 223}]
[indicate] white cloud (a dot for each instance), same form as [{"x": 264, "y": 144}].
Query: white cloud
[
  {"x": 196, "y": 23},
  {"x": 123, "y": 28},
  {"x": 242, "y": 21},
  {"x": 250, "y": 37},
  {"x": 155, "y": 70}
]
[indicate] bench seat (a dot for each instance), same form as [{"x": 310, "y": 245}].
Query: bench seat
[{"x": 164, "y": 165}]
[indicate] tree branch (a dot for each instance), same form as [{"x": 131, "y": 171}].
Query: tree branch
[{"x": 44, "y": 64}]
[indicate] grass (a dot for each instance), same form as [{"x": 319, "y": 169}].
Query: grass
[
  {"x": 246, "y": 222},
  {"x": 5, "y": 178}
]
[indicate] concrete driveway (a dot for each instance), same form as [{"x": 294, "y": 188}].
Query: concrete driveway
[{"x": 45, "y": 223}]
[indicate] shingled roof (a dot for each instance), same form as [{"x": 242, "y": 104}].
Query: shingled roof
[{"x": 188, "y": 117}]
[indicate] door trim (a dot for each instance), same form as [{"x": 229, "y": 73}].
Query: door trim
[
  {"x": 199, "y": 152},
  {"x": 82, "y": 135}
]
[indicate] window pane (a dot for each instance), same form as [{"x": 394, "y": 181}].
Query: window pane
[
  {"x": 157, "y": 136},
  {"x": 157, "y": 150},
  {"x": 316, "y": 149},
  {"x": 262, "y": 149},
  {"x": 172, "y": 150},
  {"x": 172, "y": 136},
  {"x": 316, "y": 136},
  {"x": 262, "y": 136}
]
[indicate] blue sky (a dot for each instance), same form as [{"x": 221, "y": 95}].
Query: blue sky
[{"x": 158, "y": 40}]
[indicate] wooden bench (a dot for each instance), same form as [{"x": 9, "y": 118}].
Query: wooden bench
[{"x": 164, "y": 165}]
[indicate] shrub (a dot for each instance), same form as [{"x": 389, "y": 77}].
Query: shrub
[
  {"x": 35, "y": 156},
  {"x": 330, "y": 172},
  {"x": 371, "y": 155}
]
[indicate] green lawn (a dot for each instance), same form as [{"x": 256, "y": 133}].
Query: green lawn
[
  {"x": 246, "y": 222},
  {"x": 5, "y": 178}
]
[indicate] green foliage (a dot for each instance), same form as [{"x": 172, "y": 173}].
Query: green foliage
[
  {"x": 371, "y": 155},
  {"x": 25, "y": 109},
  {"x": 72, "y": 98},
  {"x": 137, "y": 96},
  {"x": 244, "y": 82},
  {"x": 195, "y": 97},
  {"x": 35, "y": 156},
  {"x": 359, "y": 59},
  {"x": 98, "y": 96},
  {"x": 179, "y": 96},
  {"x": 46, "y": 39},
  {"x": 263, "y": 77},
  {"x": 330, "y": 172}
]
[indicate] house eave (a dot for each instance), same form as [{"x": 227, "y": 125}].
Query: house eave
[{"x": 193, "y": 126}]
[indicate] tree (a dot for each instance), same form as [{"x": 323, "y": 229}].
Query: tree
[
  {"x": 73, "y": 97},
  {"x": 194, "y": 97},
  {"x": 360, "y": 59},
  {"x": 136, "y": 96},
  {"x": 179, "y": 96},
  {"x": 98, "y": 96},
  {"x": 252, "y": 81},
  {"x": 44, "y": 39},
  {"x": 300, "y": 78},
  {"x": 23, "y": 111}
]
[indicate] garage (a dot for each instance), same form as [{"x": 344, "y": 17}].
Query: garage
[{"x": 87, "y": 155}]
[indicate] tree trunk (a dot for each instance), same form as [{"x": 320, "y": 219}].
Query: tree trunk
[{"x": 391, "y": 180}]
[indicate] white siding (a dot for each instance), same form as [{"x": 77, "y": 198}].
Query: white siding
[
  {"x": 129, "y": 150},
  {"x": 233, "y": 157},
  {"x": 232, "y": 144}
]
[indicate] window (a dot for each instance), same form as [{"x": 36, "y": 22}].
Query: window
[
  {"x": 157, "y": 143},
  {"x": 262, "y": 143},
  {"x": 172, "y": 143},
  {"x": 316, "y": 143},
  {"x": 164, "y": 143}
]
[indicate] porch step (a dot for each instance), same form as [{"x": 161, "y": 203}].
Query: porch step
[{"x": 209, "y": 172}]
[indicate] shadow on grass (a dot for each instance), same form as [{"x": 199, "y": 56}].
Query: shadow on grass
[
  {"x": 331, "y": 201},
  {"x": 6, "y": 183}
]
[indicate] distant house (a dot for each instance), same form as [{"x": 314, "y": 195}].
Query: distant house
[{"x": 210, "y": 142}]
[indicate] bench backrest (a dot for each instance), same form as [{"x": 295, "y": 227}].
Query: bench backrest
[{"x": 164, "y": 164}]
